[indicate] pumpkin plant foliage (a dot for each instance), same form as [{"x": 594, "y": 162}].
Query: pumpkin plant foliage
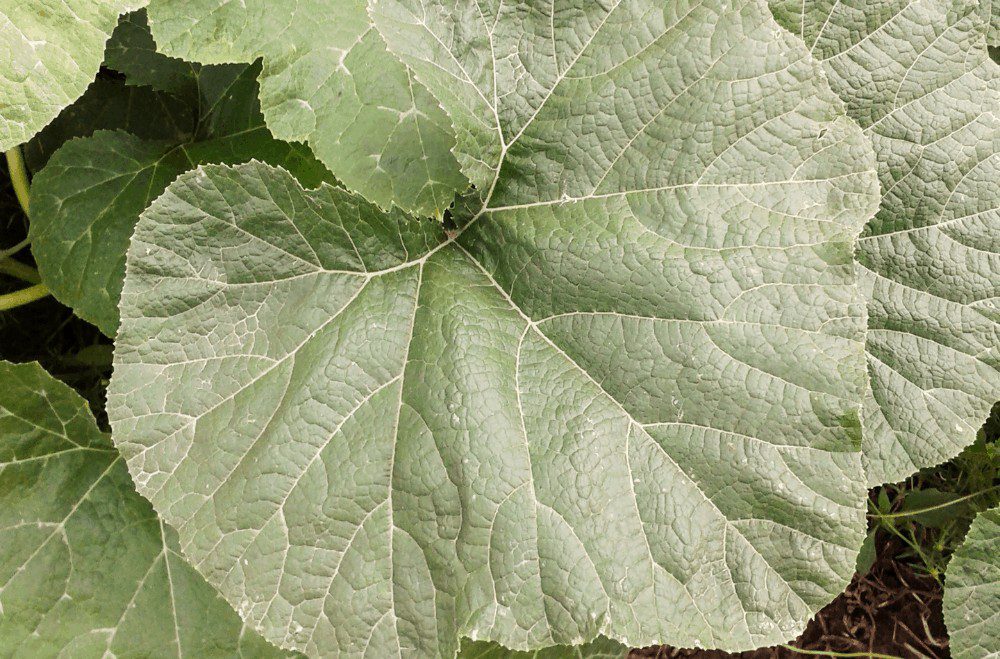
[
  {"x": 918, "y": 78},
  {"x": 88, "y": 568},
  {"x": 328, "y": 81},
  {"x": 86, "y": 200},
  {"x": 708, "y": 269},
  {"x": 617, "y": 394}
]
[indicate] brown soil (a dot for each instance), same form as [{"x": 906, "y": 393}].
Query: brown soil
[{"x": 892, "y": 611}]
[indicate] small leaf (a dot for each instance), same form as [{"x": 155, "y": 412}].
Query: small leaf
[
  {"x": 868, "y": 553},
  {"x": 932, "y": 507},
  {"x": 884, "y": 504}
]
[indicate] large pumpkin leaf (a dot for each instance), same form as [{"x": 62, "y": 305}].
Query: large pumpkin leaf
[
  {"x": 51, "y": 51},
  {"x": 916, "y": 76},
  {"x": 972, "y": 591},
  {"x": 86, "y": 200},
  {"x": 328, "y": 81},
  {"x": 88, "y": 570},
  {"x": 620, "y": 395}
]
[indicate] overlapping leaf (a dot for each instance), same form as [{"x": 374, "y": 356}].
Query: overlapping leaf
[
  {"x": 87, "y": 199},
  {"x": 132, "y": 52},
  {"x": 917, "y": 77},
  {"x": 87, "y": 568},
  {"x": 52, "y": 50},
  {"x": 328, "y": 81},
  {"x": 113, "y": 105},
  {"x": 972, "y": 591},
  {"x": 620, "y": 395}
]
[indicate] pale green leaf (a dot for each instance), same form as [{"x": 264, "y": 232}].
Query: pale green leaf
[
  {"x": 915, "y": 74},
  {"x": 991, "y": 12},
  {"x": 51, "y": 51},
  {"x": 86, "y": 200},
  {"x": 87, "y": 569},
  {"x": 328, "y": 81},
  {"x": 972, "y": 591},
  {"x": 620, "y": 396}
]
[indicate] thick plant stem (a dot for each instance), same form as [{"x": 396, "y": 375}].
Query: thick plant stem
[
  {"x": 19, "y": 270},
  {"x": 18, "y": 176},
  {"x": 23, "y": 296}
]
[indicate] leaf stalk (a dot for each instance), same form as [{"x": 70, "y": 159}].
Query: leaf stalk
[
  {"x": 19, "y": 177},
  {"x": 23, "y": 296},
  {"x": 19, "y": 270}
]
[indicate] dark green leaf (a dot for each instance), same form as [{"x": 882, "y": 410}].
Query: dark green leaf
[{"x": 132, "y": 52}]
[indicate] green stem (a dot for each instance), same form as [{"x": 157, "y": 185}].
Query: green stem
[
  {"x": 18, "y": 176},
  {"x": 23, "y": 296},
  {"x": 911, "y": 513},
  {"x": 825, "y": 653},
  {"x": 11, "y": 251},
  {"x": 20, "y": 270}
]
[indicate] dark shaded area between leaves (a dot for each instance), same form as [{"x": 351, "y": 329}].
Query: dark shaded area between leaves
[{"x": 46, "y": 331}]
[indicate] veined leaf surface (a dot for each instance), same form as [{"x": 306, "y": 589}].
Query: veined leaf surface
[
  {"x": 620, "y": 395},
  {"x": 53, "y": 49},
  {"x": 87, "y": 199},
  {"x": 917, "y": 77},
  {"x": 328, "y": 80},
  {"x": 972, "y": 591},
  {"x": 88, "y": 570}
]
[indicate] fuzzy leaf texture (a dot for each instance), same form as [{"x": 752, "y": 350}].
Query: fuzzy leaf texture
[
  {"x": 972, "y": 591},
  {"x": 88, "y": 569},
  {"x": 991, "y": 13},
  {"x": 86, "y": 201},
  {"x": 917, "y": 77},
  {"x": 51, "y": 51},
  {"x": 620, "y": 396},
  {"x": 328, "y": 80}
]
